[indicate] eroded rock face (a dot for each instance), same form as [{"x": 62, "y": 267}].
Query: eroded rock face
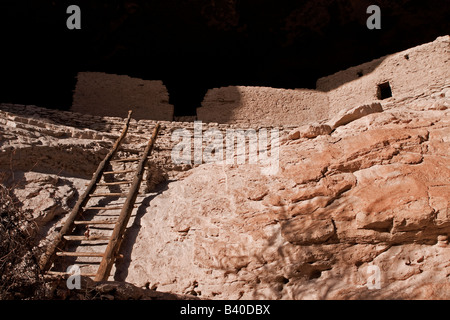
[
  {"x": 360, "y": 213},
  {"x": 47, "y": 196}
]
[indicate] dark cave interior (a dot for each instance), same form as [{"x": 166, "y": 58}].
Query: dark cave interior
[{"x": 193, "y": 46}]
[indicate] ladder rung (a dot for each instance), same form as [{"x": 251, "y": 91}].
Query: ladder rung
[
  {"x": 79, "y": 254},
  {"x": 122, "y": 195},
  {"x": 104, "y": 208},
  {"x": 83, "y": 238},
  {"x": 120, "y": 171},
  {"x": 126, "y": 160},
  {"x": 95, "y": 222},
  {"x": 108, "y": 195},
  {"x": 59, "y": 273},
  {"x": 104, "y": 184}
]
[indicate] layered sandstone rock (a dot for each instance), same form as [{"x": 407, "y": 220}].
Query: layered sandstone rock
[{"x": 360, "y": 213}]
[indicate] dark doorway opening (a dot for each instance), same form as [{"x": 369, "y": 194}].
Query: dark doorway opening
[
  {"x": 186, "y": 95},
  {"x": 384, "y": 91}
]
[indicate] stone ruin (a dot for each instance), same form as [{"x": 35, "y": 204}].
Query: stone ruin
[
  {"x": 102, "y": 94},
  {"x": 394, "y": 77},
  {"x": 363, "y": 183}
]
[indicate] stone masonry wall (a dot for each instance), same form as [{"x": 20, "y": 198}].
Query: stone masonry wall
[
  {"x": 264, "y": 106},
  {"x": 410, "y": 73},
  {"x": 104, "y": 94}
]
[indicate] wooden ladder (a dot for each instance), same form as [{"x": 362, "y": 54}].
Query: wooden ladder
[{"x": 77, "y": 221}]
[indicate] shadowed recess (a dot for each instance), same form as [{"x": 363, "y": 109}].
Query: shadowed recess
[{"x": 194, "y": 46}]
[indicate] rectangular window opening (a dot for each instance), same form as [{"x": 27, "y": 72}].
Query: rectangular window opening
[{"x": 384, "y": 91}]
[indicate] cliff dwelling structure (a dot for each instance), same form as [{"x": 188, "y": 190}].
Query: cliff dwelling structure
[
  {"x": 403, "y": 75},
  {"x": 363, "y": 182}
]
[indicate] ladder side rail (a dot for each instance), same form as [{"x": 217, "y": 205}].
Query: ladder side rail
[
  {"x": 119, "y": 229},
  {"x": 47, "y": 258}
]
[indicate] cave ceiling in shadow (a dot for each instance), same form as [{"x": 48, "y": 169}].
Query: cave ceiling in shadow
[{"x": 195, "y": 45}]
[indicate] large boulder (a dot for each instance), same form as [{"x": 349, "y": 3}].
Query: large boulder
[{"x": 361, "y": 213}]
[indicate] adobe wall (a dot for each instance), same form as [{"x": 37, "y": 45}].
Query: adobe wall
[
  {"x": 52, "y": 135},
  {"x": 102, "y": 94},
  {"x": 410, "y": 73},
  {"x": 263, "y": 106}
]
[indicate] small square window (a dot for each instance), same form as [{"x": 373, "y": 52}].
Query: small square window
[{"x": 384, "y": 91}]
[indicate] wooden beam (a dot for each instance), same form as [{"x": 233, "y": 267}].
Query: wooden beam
[
  {"x": 104, "y": 208},
  {"x": 116, "y": 183},
  {"x": 97, "y": 195},
  {"x": 83, "y": 238},
  {"x": 119, "y": 171},
  {"x": 104, "y": 184},
  {"x": 120, "y": 195},
  {"x": 101, "y": 208},
  {"x": 116, "y": 238},
  {"x": 126, "y": 160},
  {"x": 79, "y": 254},
  {"x": 46, "y": 259},
  {"x": 95, "y": 222},
  {"x": 65, "y": 274}
]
